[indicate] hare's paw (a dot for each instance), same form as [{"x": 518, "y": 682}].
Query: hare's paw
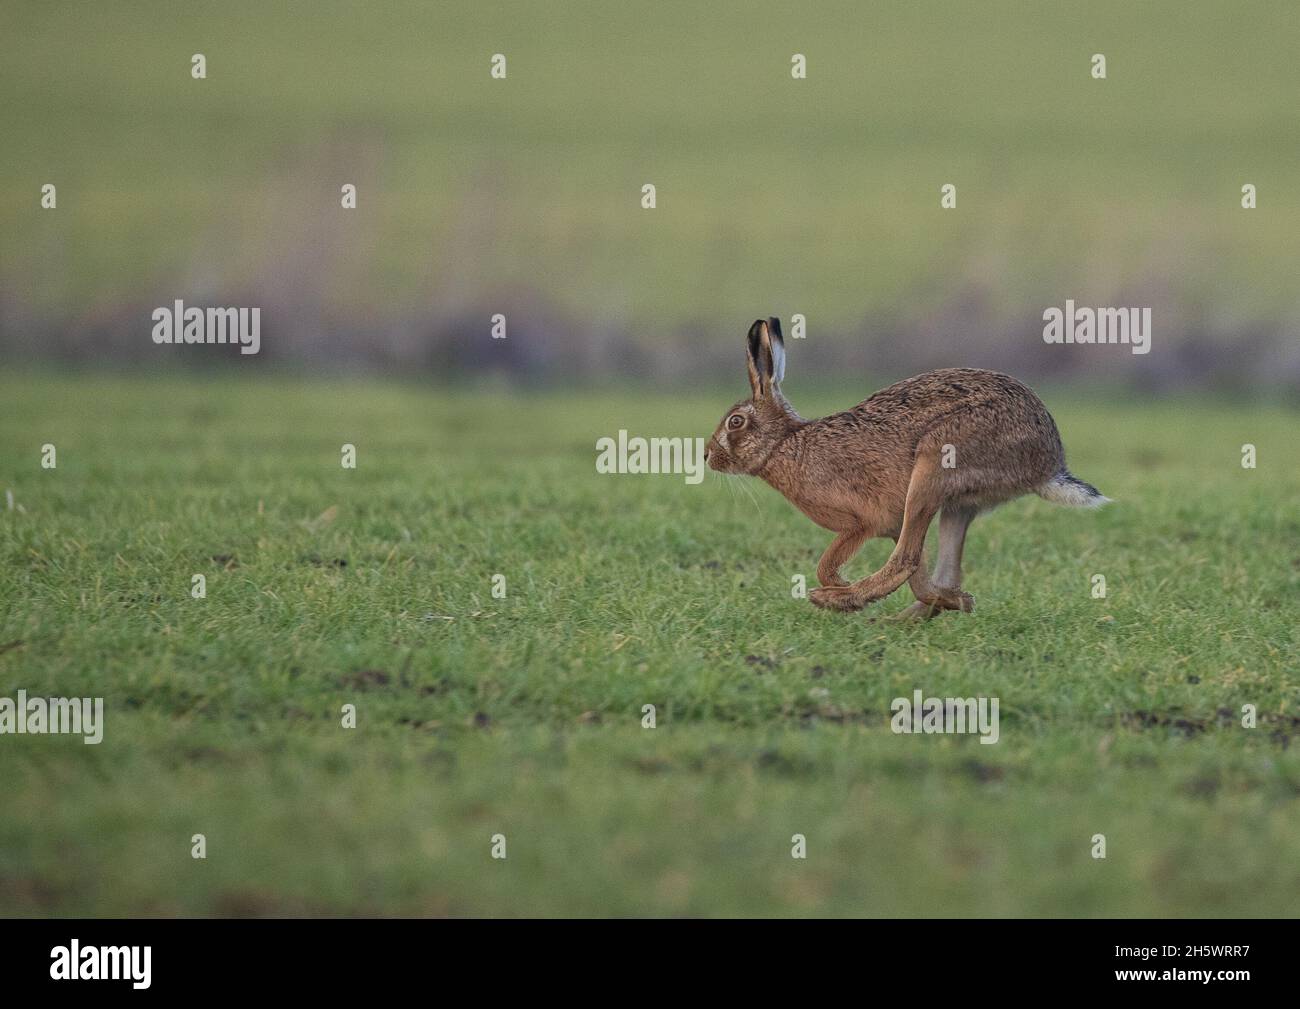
[
  {"x": 942, "y": 599},
  {"x": 965, "y": 601},
  {"x": 956, "y": 599},
  {"x": 837, "y": 597}
]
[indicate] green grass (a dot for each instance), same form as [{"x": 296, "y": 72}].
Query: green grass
[
  {"x": 522, "y": 715},
  {"x": 820, "y": 195}
]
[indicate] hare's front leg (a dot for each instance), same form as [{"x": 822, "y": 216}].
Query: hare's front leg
[
  {"x": 922, "y": 504},
  {"x": 842, "y": 548}
]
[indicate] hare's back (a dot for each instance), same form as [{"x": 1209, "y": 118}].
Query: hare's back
[
  {"x": 940, "y": 392},
  {"x": 967, "y": 405}
]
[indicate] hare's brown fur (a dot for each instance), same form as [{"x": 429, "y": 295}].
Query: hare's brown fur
[{"x": 950, "y": 442}]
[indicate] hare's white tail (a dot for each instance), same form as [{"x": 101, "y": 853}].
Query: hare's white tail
[{"x": 1067, "y": 489}]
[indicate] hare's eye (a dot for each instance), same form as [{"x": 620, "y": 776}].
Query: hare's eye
[{"x": 735, "y": 422}]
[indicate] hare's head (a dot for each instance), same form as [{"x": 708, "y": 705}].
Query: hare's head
[{"x": 751, "y": 429}]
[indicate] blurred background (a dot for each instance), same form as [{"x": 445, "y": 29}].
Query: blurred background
[{"x": 522, "y": 196}]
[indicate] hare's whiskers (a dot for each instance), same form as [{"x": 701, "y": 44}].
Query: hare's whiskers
[{"x": 748, "y": 491}]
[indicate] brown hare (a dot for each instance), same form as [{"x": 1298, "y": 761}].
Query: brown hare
[{"x": 951, "y": 443}]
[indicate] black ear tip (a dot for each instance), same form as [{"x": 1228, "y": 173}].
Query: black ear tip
[{"x": 774, "y": 324}]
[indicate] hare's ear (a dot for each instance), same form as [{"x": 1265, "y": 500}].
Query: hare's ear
[
  {"x": 778, "y": 350},
  {"x": 766, "y": 358}
]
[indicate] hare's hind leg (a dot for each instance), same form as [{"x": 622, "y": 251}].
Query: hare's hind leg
[
  {"x": 924, "y": 589},
  {"x": 922, "y": 503},
  {"x": 943, "y": 592},
  {"x": 953, "y": 523}
]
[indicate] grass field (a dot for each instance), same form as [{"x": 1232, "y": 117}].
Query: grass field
[{"x": 522, "y": 716}]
